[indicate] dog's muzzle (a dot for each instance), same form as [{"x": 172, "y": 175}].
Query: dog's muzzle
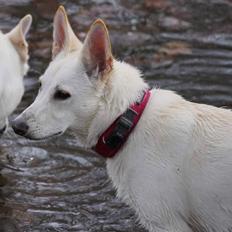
[{"x": 2, "y": 130}]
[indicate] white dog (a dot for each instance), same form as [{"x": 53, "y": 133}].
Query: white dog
[
  {"x": 13, "y": 66},
  {"x": 175, "y": 169}
]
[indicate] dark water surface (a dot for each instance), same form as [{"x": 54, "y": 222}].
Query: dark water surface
[{"x": 183, "y": 45}]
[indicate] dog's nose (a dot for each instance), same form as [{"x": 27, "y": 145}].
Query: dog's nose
[
  {"x": 2, "y": 130},
  {"x": 19, "y": 126}
]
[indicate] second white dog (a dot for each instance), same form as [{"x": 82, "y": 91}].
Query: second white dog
[
  {"x": 175, "y": 170},
  {"x": 13, "y": 66}
]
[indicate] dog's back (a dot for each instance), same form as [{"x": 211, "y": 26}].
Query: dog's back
[
  {"x": 179, "y": 173},
  {"x": 208, "y": 168}
]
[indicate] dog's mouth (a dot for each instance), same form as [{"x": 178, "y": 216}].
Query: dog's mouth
[{"x": 28, "y": 136}]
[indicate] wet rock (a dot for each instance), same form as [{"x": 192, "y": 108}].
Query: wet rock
[
  {"x": 3, "y": 180},
  {"x": 157, "y": 4},
  {"x": 28, "y": 156},
  {"x": 42, "y": 49},
  {"x": 172, "y": 49},
  {"x": 45, "y": 8},
  {"x": 173, "y": 24},
  {"x": 15, "y": 2},
  {"x": 8, "y": 225},
  {"x": 130, "y": 40}
]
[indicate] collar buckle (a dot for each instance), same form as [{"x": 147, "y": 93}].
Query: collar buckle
[{"x": 122, "y": 129}]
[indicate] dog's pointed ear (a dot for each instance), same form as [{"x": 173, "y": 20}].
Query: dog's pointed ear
[
  {"x": 18, "y": 36},
  {"x": 64, "y": 38},
  {"x": 96, "y": 54}
]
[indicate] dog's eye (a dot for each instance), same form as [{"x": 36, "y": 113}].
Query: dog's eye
[{"x": 61, "y": 95}]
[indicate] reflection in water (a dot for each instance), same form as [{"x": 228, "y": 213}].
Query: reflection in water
[{"x": 180, "y": 44}]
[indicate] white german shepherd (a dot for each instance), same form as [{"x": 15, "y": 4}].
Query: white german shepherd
[
  {"x": 175, "y": 170},
  {"x": 13, "y": 66}
]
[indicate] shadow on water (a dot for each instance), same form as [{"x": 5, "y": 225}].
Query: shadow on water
[{"x": 183, "y": 45}]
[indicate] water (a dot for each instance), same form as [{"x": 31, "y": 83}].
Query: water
[{"x": 183, "y": 45}]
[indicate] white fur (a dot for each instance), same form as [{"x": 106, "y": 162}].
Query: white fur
[
  {"x": 12, "y": 68},
  {"x": 175, "y": 170},
  {"x": 11, "y": 79}
]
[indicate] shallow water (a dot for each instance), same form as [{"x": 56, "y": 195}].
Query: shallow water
[{"x": 183, "y": 45}]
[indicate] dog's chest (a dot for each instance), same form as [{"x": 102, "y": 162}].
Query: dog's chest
[{"x": 129, "y": 175}]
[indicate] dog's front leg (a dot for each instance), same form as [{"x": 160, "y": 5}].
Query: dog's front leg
[{"x": 163, "y": 223}]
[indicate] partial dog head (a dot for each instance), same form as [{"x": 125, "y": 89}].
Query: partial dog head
[
  {"x": 17, "y": 36},
  {"x": 13, "y": 66},
  {"x": 73, "y": 83}
]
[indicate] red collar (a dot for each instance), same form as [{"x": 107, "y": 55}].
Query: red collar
[{"x": 118, "y": 132}]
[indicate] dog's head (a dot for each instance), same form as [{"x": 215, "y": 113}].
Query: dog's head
[
  {"x": 14, "y": 55},
  {"x": 72, "y": 85}
]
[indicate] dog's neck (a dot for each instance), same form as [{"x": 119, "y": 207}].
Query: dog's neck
[{"x": 124, "y": 87}]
